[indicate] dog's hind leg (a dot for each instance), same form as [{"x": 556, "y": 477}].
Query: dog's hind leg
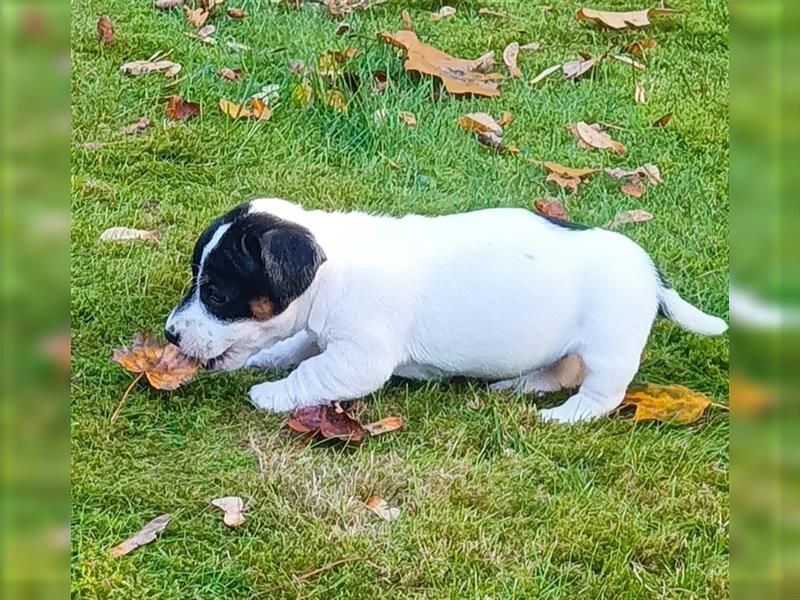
[{"x": 569, "y": 372}]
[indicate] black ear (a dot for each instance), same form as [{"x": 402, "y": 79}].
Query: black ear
[{"x": 291, "y": 258}]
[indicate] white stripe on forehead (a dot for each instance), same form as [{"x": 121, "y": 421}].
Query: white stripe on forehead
[{"x": 212, "y": 243}]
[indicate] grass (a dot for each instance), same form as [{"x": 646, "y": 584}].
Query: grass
[{"x": 494, "y": 504}]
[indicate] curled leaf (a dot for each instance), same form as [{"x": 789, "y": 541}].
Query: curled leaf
[
  {"x": 233, "y": 507},
  {"x": 127, "y": 234},
  {"x": 165, "y": 367},
  {"x": 443, "y": 13},
  {"x": 666, "y": 403},
  {"x": 137, "y": 127},
  {"x": 574, "y": 69},
  {"x": 408, "y": 118},
  {"x": 236, "y": 13},
  {"x": 552, "y": 208},
  {"x": 230, "y": 74},
  {"x": 197, "y": 16},
  {"x": 326, "y": 422},
  {"x": 257, "y": 110},
  {"x": 629, "y": 216},
  {"x": 143, "y": 67},
  {"x": 179, "y": 109},
  {"x": 204, "y": 34},
  {"x": 594, "y": 137},
  {"x": 385, "y": 425},
  {"x": 105, "y": 30},
  {"x": 505, "y": 119},
  {"x": 638, "y": 48},
  {"x": 145, "y": 535},
  {"x": 633, "y": 187},
  {"x": 381, "y": 508},
  {"x": 621, "y": 20},
  {"x": 481, "y": 123},
  {"x": 639, "y": 94},
  {"x": 663, "y": 121},
  {"x": 510, "y": 54}
]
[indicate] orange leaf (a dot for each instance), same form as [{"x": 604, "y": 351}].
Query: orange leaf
[
  {"x": 257, "y": 110},
  {"x": 165, "y": 367},
  {"x": 505, "y": 119},
  {"x": 552, "y": 208},
  {"x": 481, "y": 123},
  {"x": 385, "y": 425},
  {"x": 638, "y": 48},
  {"x": 570, "y": 183},
  {"x": 236, "y": 13},
  {"x": 179, "y": 109},
  {"x": 105, "y": 30},
  {"x": 568, "y": 171},
  {"x": 666, "y": 403},
  {"x": 381, "y": 508},
  {"x": 594, "y": 137},
  {"x": 458, "y": 75},
  {"x": 230, "y": 74},
  {"x": 621, "y": 20},
  {"x": 663, "y": 121},
  {"x": 633, "y": 187}
]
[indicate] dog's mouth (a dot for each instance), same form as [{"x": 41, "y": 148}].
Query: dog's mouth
[{"x": 216, "y": 362}]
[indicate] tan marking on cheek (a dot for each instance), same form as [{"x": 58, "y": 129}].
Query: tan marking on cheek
[{"x": 262, "y": 309}]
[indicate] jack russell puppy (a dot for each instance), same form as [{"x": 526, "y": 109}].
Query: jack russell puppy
[{"x": 351, "y": 299}]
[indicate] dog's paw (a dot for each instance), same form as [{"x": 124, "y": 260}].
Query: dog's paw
[{"x": 265, "y": 396}]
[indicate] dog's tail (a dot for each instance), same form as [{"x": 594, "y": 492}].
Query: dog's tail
[{"x": 688, "y": 316}]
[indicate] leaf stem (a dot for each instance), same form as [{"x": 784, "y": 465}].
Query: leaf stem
[{"x": 125, "y": 397}]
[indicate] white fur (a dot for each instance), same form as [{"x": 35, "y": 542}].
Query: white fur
[{"x": 500, "y": 294}]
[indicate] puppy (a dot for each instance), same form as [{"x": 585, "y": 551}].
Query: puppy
[{"x": 351, "y": 299}]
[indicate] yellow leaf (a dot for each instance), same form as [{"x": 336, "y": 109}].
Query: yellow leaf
[
  {"x": 302, "y": 94},
  {"x": 666, "y": 403},
  {"x": 337, "y": 101},
  {"x": 408, "y": 118},
  {"x": 257, "y": 110}
]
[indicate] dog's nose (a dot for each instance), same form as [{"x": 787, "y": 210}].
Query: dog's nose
[{"x": 172, "y": 336}]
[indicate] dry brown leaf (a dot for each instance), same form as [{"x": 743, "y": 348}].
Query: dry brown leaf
[
  {"x": 230, "y": 74},
  {"x": 166, "y": 4},
  {"x": 649, "y": 171},
  {"x": 510, "y": 55},
  {"x": 406, "y": 18},
  {"x": 505, "y": 119},
  {"x": 487, "y": 12},
  {"x": 459, "y": 76},
  {"x": 381, "y": 508},
  {"x": 552, "y": 208},
  {"x": 140, "y": 125},
  {"x": 197, "y": 16},
  {"x": 385, "y": 425},
  {"x": 342, "y": 28},
  {"x": 639, "y": 94},
  {"x": 340, "y": 8},
  {"x": 326, "y": 422},
  {"x": 257, "y": 110},
  {"x": 105, "y": 30},
  {"x": 145, "y": 535},
  {"x": 408, "y": 118},
  {"x": 579, "y": 172},
  {"x": 568, "y": 183},
  {"x": 165, "y": 367},
  {"x": 629, "y": 216},
  {"x": 127, "y": 234},
  {"x": 143, "y": 67},
  {"x": 484, "y": 63},
  {"x": 233, "y": 507},
  {"x": 663, "y": 121},
  {"x": 666, "y": 403},
  {"x": 639, "y": 48},
  {"x": 204, "y": 34},
  {"x": 337, "y": 101},
  {"x": 594, "y": 137},
  {"x": 576, "y": 68},
  {"x": 443, "y": 13},
  {"x": 236, "y": 13},
  {"x": 379, "y": 82},
  {"x": 179, "y": 109},
  {"x": 530, "y": 47},
  {"x": 546, "y": 73},
  {"x": 633, "y": 187},
  {"x": 480, "y": 123},
  {"x": 621, "y": 20},
  {"x": 491, "y": 139}
]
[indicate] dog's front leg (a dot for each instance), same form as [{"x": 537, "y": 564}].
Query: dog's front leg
[
  {"x": 285, "y": 354},
  {"x": 343, "y": 371}
]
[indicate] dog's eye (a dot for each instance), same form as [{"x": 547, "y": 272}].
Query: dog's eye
[{"x": 215, "y": 297}]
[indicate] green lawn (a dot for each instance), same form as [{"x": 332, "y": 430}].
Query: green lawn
[{"x": 494, "y": 504}]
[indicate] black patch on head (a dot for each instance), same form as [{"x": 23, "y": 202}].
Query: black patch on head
[
  {"x": 259, "y": 257},
  {"x": 563, "y": 223}
]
